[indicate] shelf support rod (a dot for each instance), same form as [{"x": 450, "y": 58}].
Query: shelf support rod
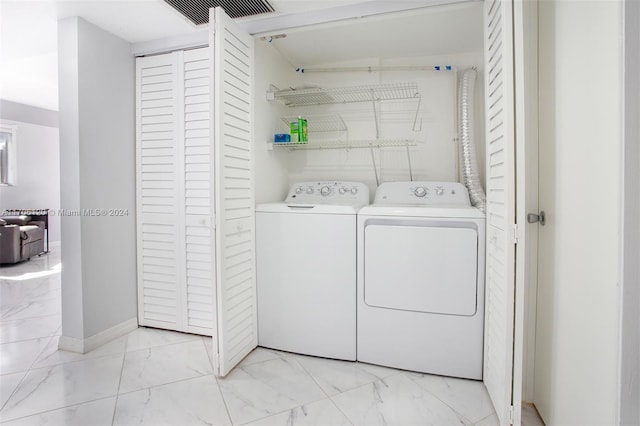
[
  {"x": 436, "y": 68},
  {"x": 409, "y": 161},
  {"x": 415, "y": 119},
  {"x": 375, "y": 114},
  {"x": 375, "y": 169}
]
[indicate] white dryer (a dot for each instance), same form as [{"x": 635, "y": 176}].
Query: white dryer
[
  {"x": 421, "y": 249},
  {"x": 306, "y": 269}
]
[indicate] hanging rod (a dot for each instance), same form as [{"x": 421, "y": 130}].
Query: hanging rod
[{"x": 384, "y": 68}]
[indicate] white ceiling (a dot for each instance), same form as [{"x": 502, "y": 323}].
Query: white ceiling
[
  {"x": 438, "y": 30},
  {"x": 28, "y": 33}
]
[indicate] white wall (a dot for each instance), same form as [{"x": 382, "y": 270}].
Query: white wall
[
  {"x": 270, "y": 165},
  {"x": 434, "y": 158},
  {"x": 38, "y": 162},
  {"x": 97, "y": 137},
  {"x": 580, "y": 71}
]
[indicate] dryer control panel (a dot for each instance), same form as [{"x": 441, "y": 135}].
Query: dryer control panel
[
  {"x": 329, "y": 192},
  {"x": 423, "y": 193}
]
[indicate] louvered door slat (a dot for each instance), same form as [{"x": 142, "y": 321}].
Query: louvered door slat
[
  {"x": 157, "y": 153},
  {"x": 236, "y": 291},
  {"x": 199, "y": 240},
  {"x": 500, "y": 136}
]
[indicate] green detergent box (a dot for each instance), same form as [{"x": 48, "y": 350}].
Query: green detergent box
[
  {"x": 302, "y": 130},
  {"x": 295, "y": 133},
  {"x": 298, "y": 130}
]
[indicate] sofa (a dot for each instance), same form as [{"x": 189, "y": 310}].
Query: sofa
[{"x": 20, "y": 238}]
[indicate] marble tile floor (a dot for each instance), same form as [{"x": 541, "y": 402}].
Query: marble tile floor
[{"x": 157, "y": 377}]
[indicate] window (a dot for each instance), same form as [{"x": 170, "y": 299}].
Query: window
[{"x": 7, "y": 154}]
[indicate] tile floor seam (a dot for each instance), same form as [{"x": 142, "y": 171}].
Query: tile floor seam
[
  {"x": 24, "y": 374},
  {"x": 74, "y": 360},
  {"x": 322, "y": 389},
  {"x": 163, "y": 345},
  {"x": 39, "y": 413},
  {"x": 28, "y": 318},
  {"x": 57, "y": 408},
  {"x": 40, "y": 353},
  {"x": 266, "y": 417},
  {"x": 42, "y": 299},
  {"x": 355, "y": 364},
  {"x": 224, "y": 400},
  {"x": 159, "y": 346},
  {"x": 353, "y": 422},
  {"x": 164, "y": 384},
  {"x": 32, "y": 363},
  {"x": 12, "y": 305},
  {"x": 30, "y": 414},
  {"x": 482, "y": 419},
  {"x": 455, "y": 410},
  {"x": 340, "y": 410},
  {"x": 26, "y": 340},
  {"x": 285, "y": 359},
  {"x": 312, "y": 378},
  {"x": 286, "y": 411},
  {"x": 314, "y": 381},
  {"x": 115, "y": 404},
  {"x": 258, "y": 362}
]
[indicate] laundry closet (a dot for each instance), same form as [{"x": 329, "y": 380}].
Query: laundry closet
[
  {"x": 407, "y": 62},
  {"x": 380, "y": 96}
]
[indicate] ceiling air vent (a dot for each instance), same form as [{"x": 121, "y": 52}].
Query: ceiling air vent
[{"x": 197, "y": 11}]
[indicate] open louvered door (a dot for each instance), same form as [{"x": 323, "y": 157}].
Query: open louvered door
[
  {"x": 498, "y": 372},
  {"x": 236, "y": 313}
]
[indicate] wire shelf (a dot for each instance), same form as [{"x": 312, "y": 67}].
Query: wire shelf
[
  {"x": 318, "y": 123},
  {"x": 321, "y": 96},
  {"x": 348, "y": 146}
]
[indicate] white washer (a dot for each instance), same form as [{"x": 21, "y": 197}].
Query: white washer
[
  {"x": 421, "y": 279},
  {"x": 306, "y": 269}
]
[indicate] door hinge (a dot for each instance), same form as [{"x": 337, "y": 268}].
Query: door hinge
[
  {"x": 516, "y": 233},
  {"x": 510, "y": 414}
]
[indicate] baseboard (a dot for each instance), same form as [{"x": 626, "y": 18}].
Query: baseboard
[{"x": 82, "y": 346}]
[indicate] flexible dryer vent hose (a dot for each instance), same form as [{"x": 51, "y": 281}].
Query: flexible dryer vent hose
[{"x": 468, "y": 160}]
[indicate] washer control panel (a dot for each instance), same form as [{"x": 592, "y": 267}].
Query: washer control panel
[
  {"x": 423, "y": 193},
  {"x": 328, "y": 192}
]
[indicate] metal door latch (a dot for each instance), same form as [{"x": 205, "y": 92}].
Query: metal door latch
[{"x": 534, "y": 218}]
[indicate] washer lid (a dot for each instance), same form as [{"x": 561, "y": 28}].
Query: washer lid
[{"x": 305, "y": 208}]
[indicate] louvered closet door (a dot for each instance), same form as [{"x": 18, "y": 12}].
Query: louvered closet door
[
  {"x": 198, "y": 192},
  {"x": 235, "y": 247},
  {"x": 176, "y": 276},
  {"x": 499, "y": 305},
  {"x": 159, "y": 218}
]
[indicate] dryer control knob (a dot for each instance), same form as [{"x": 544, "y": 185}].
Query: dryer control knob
[
  {"x": 299, "y": 190},
  {"x": 354, "y": 190},
  {"x": 310, "y": 190},
  {"x": 420, "y": 191},
  {"x": 342, "y": 190},
  {"x": 439, "y": 190},
  {"x": 325, "y": 190}
]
